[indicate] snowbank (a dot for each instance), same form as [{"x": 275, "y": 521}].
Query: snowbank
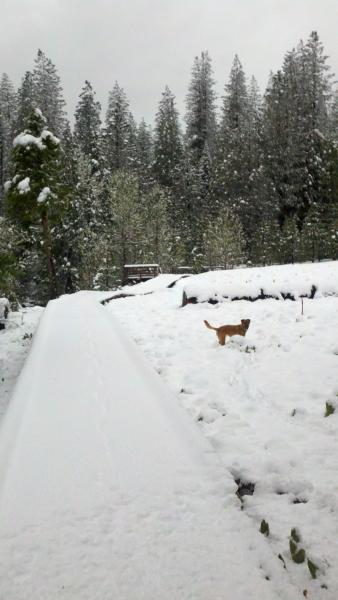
[{"x": 277, "y": 281}]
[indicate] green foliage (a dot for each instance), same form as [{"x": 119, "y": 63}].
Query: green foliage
[
  {"x": 329, "y": 409},
  {"x": 265, "y": 245},
  {"x": 10, "y": 267},
  {"x": 264, "y": 528},
  {"x": 8, "y": 272},
  {"x": 293, "y": 547},
  {"x": 34, "y": 189},
  {"x": 297, "y": 555},
  {"x": 87, "y": 123},
  {"x": 201, "y": 117},
  {"x": 312, "y": 568},
  {"x": 155, "y": 235},
  {"x": 168, "y": 148},
  {"x": 118, "y": 130},
  {"x": 36, "y": 197},
  {"x": 224, "y": 241},
  {"x": 295, "y": 535}
]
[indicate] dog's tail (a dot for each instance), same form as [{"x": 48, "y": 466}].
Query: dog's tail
[{"x": 210, "y": 326}]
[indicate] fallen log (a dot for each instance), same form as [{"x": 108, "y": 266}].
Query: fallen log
[{"x": 262, "y": 296}]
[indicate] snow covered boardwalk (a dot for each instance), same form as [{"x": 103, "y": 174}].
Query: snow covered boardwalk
[{"x": 107, "y": 488}]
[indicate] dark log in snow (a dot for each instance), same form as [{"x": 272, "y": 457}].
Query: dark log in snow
[{"x": 261, "y": 296}]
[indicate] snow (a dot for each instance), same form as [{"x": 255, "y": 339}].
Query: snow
[
  {"x": 129, "y": 425},
  {"x": 107, "y": 487},
  {"x": 141, "y": 265},
  {"x": 39, "y": 114},
  {"x": 23, "y": 185},
  {"x": 27, "y": 139},
  {"x": 42, "y": 197},
  {"x": 296, "y": 279},
  {"x": 49, "y": 135},
  {"x": 152, "y": 285},
  {"x": 15, "y": 342},
  {"x": 260, "y": 401}
]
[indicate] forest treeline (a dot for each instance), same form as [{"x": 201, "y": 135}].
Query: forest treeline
[{"x": 255, "y": 182}]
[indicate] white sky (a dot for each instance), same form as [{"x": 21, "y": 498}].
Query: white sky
[{"x": 146, "y": 44}]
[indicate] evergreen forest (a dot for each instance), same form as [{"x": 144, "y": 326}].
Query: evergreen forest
[{"x": 247, "y": 179}]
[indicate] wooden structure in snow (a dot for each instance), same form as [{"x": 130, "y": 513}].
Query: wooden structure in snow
[{"x": 137, "y": 273}]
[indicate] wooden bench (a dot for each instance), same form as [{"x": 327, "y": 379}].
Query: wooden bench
[{"x": 137, "y": 273}]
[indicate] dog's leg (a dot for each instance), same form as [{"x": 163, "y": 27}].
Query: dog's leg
[{"x": 221, "y": 338}]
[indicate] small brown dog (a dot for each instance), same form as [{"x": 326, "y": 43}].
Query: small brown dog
[{"x": 229, "y": 330}]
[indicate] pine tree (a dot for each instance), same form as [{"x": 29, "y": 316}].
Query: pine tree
[
  {"x": 48, "y": 93},
  {"x": 224, "y": 241},
  {"x": 127, "y": 222},
  {"x": 87, "y": 125},
  {"x": 132, "y": 144},
  {"x": 73, "y": 219},
  {"x": 144, "y": 156},
  {"x": 26, "y": 103},
  {"x": 144, "y": 146},
  {"x": 317, "y": 88},
  {"x": 296, "y": 120},
  {"x": 233, "y": 168},
  {"x": 168, "y": 148},
  {"x": 34, "y": 196},
  {"x": 201, "y": 116},
  {"x": 118, "y": 130},
  {"x": 333, "y": 118},
  {"x": 8, "y": 110},
  {"x": 260, "y": 204},
  {"x": 200, "y": 149},
  {"x": 155, "y": 236}
]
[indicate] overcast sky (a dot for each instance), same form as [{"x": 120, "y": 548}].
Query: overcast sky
[{"x": 146, "y": 44}]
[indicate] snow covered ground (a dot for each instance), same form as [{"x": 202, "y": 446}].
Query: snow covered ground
[
  {"x": 15, "y": 342},
  {"x": 260, "y": 401},
  {"x": 108, "y": 489}
]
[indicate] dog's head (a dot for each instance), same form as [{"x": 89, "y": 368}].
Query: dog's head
[{"x": 245, "y": 323}]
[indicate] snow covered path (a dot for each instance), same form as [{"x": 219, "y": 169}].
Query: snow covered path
[{"x": 108, "y": 489}]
